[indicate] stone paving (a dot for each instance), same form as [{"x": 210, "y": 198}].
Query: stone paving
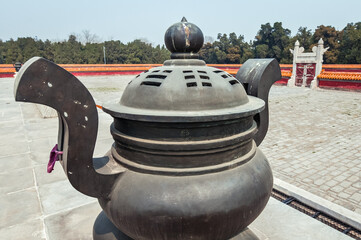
[{"x": 313, "y": 143}]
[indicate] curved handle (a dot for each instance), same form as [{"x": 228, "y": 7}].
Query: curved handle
[
  {"x": 257, "y": 77},
  {"x": 41, "y": 81}
]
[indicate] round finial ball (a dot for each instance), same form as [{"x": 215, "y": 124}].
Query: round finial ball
[{"x": 183, "y": 37}]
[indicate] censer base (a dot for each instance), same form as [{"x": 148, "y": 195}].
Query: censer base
[{"x": 104, "y": 229}]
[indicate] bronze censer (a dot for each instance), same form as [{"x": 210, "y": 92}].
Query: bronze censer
[{"x": 185, "y": 162}]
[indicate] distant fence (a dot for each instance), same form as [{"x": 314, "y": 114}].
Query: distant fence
[{"x": 342, "y": 76}]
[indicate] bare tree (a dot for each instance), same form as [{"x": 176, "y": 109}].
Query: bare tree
[
  {"x": 88, "y": 37},
  {"x": 208, "y": 39}
]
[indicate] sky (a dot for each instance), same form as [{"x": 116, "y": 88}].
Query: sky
[{"x": 148, "y": 20}]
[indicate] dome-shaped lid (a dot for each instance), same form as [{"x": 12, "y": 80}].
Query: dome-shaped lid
[{"x": 184, "y": 88}]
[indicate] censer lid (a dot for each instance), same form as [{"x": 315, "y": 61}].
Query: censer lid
[{"x": 184, "y": 88}]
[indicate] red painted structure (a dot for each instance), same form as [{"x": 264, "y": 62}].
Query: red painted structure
[
  {"x": 336, "y": 76},
  {"x": 340, "y": 84},
  {"x": 307, "y": 71}
]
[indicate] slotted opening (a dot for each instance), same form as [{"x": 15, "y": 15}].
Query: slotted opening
[
  {"x": 316, "y": 214},
  {"x": 155, "y": 71},
  {"x": 204, "y": 77},
  {"x": 137, "y": 76},
  {"x": 187, "y": 71},
  {"x": 232, "y": 82},
  {"x": 189, "y": 77},
  {"x": 202, "y": 72},
  {"x": 150, "y": 83},
  {"x": 206, "y": 84},
  {"x": 224, "y": 76},
  {"x": 156, "y": 76},
  {"x": 245, "y": 85},
  {"x": 217, "y": 71},
  {"x": 192, "y": 84},
  {"x": 167, "y": 71}
]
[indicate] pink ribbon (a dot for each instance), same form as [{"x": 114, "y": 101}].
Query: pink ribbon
[{"x": 53, "y": 158}]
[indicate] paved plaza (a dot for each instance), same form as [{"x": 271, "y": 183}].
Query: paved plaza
[{"x": 314, "y": 143}]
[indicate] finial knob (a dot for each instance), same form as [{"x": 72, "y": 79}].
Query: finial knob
[{"x": 184, "y": 39}]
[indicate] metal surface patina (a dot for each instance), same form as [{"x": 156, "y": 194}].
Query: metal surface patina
[{"x": 185, "y": 162}]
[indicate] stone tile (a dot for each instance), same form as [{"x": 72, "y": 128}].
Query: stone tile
[
  {"x": 59, "y": 196},
  {"x": 40, "y": 145},
  {"x": 14, "y": 148},
  {"x": 356, "y": 197},
  {"x": 30, "y": 112},
  {"x": 16, "y": 180},
  {"x": 31, "y": 230},
  {"x": 11, "y": 132},
  {"x": 15, "y": 162},
  {"x": 337, "y": 189},
  {"x": 345, "y": 184},
  {"x": 9, "y": 113},
  {"x": 39, "y": 158},
  {"x": 19, "y": 207},
  {"x": 44, "y": 128},
  {"x": 43, "y": 177},
  {"x": 102, "y": 146},
  {"x": 331, "y": 183},
  {"x": 73, "y": 224}
]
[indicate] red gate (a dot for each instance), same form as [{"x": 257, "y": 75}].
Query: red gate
[{"x": 305, "y": 73}]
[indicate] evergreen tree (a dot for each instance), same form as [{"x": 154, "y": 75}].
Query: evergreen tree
[
  {"x": 350, "y": 45},
  {"x": 304, "y": 37},
  {"x": 272, "y": 42},
  {"x": 331, "y": 38}
]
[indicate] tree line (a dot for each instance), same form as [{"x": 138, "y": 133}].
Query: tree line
[
  {"x": 271, "y": 41},
  {"x": 73, "y": 51},
  {"x": 275, "y": 42}
]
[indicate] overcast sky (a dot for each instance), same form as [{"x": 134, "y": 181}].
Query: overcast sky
[{"x": 129, "y": 20}]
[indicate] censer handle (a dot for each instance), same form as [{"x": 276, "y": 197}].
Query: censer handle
[
  {"x": 41, "y": 81},
  {"x": 257, "y": 77}
]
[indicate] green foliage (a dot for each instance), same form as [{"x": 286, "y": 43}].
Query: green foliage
[
  {"x": 73, "y": 51},
  {"x": 331, "y": 38},
  {"x": 271, "y": 41},
  {"x": 304, "y": 37},
  {"x": 227, "y": 50},
  {"x": 350, "y": 45}
]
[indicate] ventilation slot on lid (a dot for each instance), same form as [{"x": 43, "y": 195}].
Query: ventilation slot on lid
[
  {"x": 189, "y": 77},
  {"x": 224, "y": 76},
  {"x": 192, "y": 84},
  {"x": 202, "y": 72},
  {"x": 217, "y": 71},
  {"x": 149, "y": 83},
  {"x": 232, "y": 82},
  {"x": 187, "y": 71},
  {"x": 206, "y": 84},
  {"x": 204, "y": 77},
  {"x": 167, "y": 71},
  {"x": 155, "y": 71},
  {"x": 156, "y": 76}
]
